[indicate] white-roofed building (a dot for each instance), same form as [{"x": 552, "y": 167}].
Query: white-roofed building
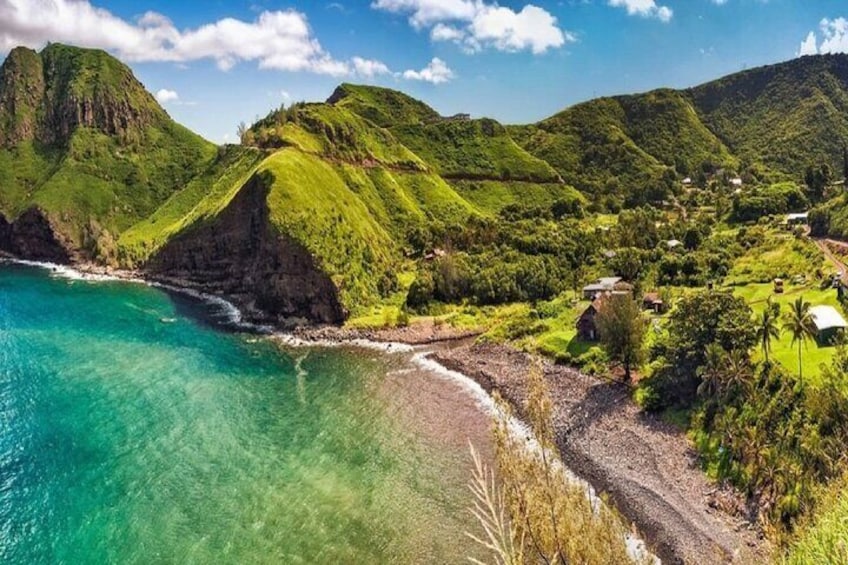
[
  {"x": 606, "y": 285},
  {"x": 797, "y": 219},
  {"x": 828, "y": 322}
]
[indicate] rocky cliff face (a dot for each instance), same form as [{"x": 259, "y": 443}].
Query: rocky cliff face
[
  {"x": 238, "y": 254},
  {"x": 31, "y": 236},
  {"x": 21, "y": 92},
  {"x": 46, "y": 96}
]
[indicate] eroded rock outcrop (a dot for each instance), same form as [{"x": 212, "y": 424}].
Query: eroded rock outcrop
[
  {"x": 239, "y": 254},
  {"x": 32, "y": 236}
]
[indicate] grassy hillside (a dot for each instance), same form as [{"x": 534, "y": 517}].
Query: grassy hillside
[
  {"x": 473, "y": 149},
  {"x": 355, "y": 220},
  {"x": 203, "y": 197},
  {"x": 478, "y": 157},
  {"x": 666, "y": 125},
  {"x": 492, "y": 196},
  {"x": 347, "y": 190},
  {"x": 334, "y": 133},
  {"x": 780, "y": 118},
  {"x": 382, "y": 106}
]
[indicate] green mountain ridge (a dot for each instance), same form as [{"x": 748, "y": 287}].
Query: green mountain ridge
[{"x": 93, "y": 169}]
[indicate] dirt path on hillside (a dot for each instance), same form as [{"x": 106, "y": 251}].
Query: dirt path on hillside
[
  {"x": 824, "y": 245},
  {"x": 646, "y": 466}
]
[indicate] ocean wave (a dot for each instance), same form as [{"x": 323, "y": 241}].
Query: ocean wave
[{"x": 70, "y": 273}]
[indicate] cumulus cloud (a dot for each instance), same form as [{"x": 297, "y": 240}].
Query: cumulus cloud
[
  {"x": 280, "y": 40},
  {"x": 368, "y": 67},
  {"x": 834, "y": 34},
  {"x": 163, "y": 96},
  {"x": 646, "y": 9},
  {"x": 475, "y": 24},
  {"x": 437, "y": 72}
]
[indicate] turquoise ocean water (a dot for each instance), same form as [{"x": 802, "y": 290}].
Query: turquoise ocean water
[{"x": 132, "y": 430}]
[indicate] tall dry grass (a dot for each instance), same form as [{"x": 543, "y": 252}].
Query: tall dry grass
[{"x": 530, "y": 510}]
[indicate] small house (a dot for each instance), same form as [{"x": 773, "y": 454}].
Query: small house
[
  {"x": 673, "y": 243},
  {"x": 652, "y": 301},
  {"x": 828, "y": 323},
  {"x": 736, "y": 181},
  {"x": 606, "y": 285},
  {"x": 587, "y": 330}
]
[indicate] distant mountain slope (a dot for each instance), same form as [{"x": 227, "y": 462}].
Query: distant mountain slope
[
  {"x": 382, "y": 106},
  {"x": 86, "y": 147},
  {"x": 786, "y": 116},
  {"x": 781, "y": 117},
  {"x": 623, "y": 146}
]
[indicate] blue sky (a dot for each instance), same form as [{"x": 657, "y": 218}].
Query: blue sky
[{"x": 216, "y": 63}]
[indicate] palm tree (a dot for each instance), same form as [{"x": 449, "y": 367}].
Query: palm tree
[
  {"x": 712, "y": 372},
  {"x": 799, "y": 322},
  {"x": 767, "y": 328},
  {"x": 737, "y": 371}
]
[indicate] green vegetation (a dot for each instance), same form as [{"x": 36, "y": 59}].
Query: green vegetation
[
  {"x": 768, "y": 201},
  {"x": 473, "y": 149},
  {"x": 823, "y": 539},
  {"x": 492, "y": 196},
  {"x": 202, "y": 198},
  {"x": 783, "y": 116},
  {"x": 466, "y": 222},
  {"x": 622, "y": 329}
]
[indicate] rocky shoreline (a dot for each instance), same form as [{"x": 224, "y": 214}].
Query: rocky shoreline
[{"x": 646, "y": 466}]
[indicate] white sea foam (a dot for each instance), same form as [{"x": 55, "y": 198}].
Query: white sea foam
[
  {"x": 636, "y": 546},
  {"x": 66, "y": 272},
  {"x": 385, "y": 347}
]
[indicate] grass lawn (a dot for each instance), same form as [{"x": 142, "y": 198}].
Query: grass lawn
[{"x": 812, "y": 355}]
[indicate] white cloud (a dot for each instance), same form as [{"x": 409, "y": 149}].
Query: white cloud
[
  {"x": 437, "y": 72},
  {"x": 444, "y": 32},
  {"x": 280, "y": 40},
  {"x": 425, "y": 13},
  {"x": 163, "y": 96},
  {"x": 475, "y": 24},
  {"x": 369, "y": 68},
  {"x": 834, "y": 35},
  {"x": 808, "y": 46},
  {"x": 645, "y": 9}
]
